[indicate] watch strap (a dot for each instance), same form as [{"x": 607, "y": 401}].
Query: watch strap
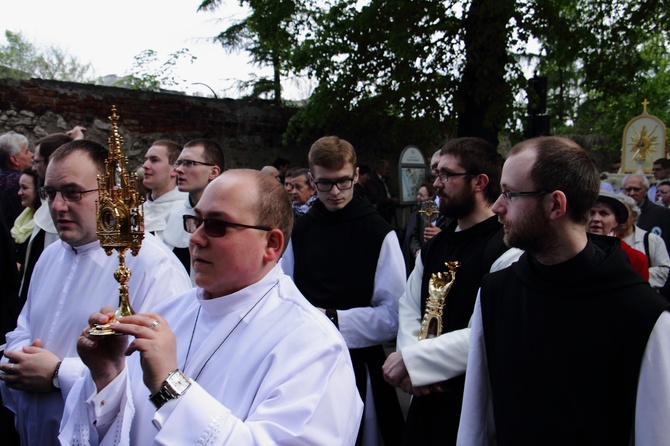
[
  {"x": 167, "y": 392},
  {"x": 54, "y": 378}
]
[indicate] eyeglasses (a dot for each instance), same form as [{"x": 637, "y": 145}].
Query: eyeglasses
[
  {"x": 213, "y": 226},
  {"x": 444, "y": 176},
  {"x": 68, "y": 194},
  {"x": 327, "y": 186},
  {"x": 36, "y": 161},
  {"x": 536, "y": 193},
  {"x": 632, "y": 189},
  {"x": 189, "y": 163}
]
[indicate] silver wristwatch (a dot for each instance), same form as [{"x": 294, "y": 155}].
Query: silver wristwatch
[{"x": 174, "y": 386}]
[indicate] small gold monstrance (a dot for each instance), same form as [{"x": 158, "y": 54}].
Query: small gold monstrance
[
  {"x": 429, "y": 209},
  {"x": 644, "y": 141},
  {"x": 120, "y": 218},
  {"x": 438, "y": 287}
]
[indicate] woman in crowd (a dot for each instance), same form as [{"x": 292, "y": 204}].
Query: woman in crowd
[{"x": 24, "y": 223}]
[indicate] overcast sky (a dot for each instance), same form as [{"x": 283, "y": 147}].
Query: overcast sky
[{"x": 108, "y": 34}]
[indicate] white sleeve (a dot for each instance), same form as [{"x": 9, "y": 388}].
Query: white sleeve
[
  {"x": 477, "y": 425},
  {"x": 660, "y": 261},
  {"x": 366, "y": 326},
  {"x": 409, "y": 308},
  {"x": 446, "y": 356},
  {"x": 287, "y": 260},
  {"x": 652, "y": 410}
]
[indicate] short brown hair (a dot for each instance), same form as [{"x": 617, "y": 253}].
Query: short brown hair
[
  {"x": 562, "y": 164},
  {"x": 96, "y": 152},
  {"x": 332, "y": 153},
  {"x": 212, "y": 151},
  {"x": 274, "y": 207},
  {"x": 173, "y": 149}
]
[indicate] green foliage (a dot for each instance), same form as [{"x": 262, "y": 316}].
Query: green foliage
[
  {"x": 150, "y": 74},
  {"x": 23, "y": 60},
  {"x": 418, "y": 71}
]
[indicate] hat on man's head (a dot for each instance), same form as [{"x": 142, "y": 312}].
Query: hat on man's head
[{"x": 620, "y": 209}]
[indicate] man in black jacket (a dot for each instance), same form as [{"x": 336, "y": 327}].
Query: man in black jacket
[{"x": 569, "y": 345}]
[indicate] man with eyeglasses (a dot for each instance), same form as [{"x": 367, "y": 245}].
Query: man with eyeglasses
[
  {"x": 200, "y": 161},
  {"x": 661, "y": 171},
  {"x": 653, "y": 217},
  {"x": 432, "y": 369},
  {"x": 346, "y": 260},
  {"x": 569, "y": 345},
  {"x": 72, "y": 278},
  {"x": 241, "y": 359}
]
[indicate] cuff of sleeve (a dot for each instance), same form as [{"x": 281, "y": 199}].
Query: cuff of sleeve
[{"x": 106, "y": 404}]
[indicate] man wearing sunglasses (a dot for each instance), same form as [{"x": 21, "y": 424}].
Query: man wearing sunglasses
[
  {"x": 432, "y": 368},
  {"x": 72, "y": 278},
  {"x": 241, "y": 359},
  {"x": 346, "y": 259},
  {"x": 200, "y": 162},
  {"x": 569, "y": 345}
]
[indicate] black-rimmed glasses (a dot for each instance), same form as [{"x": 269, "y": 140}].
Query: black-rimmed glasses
[
  {"x": 444, "y": 176},
  {"x": 68, "y": 194},
  {"x": 536, "y": 193},
  {"x": 215, "y": 227},
  {"x": 327, "y": 186},
  {"x": 189, "y": 163}
]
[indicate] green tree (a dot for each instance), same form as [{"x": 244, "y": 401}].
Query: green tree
[
  {"x": 268, "y": 34},
  {"x": 22, "y": 59},
  {"x": 149, "y": 73}
]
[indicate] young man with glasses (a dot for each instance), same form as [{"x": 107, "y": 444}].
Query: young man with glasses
[
  {"x": 569, "y": 345},
  {"x": 346, "y": 260},
  {"x": 241, "y": 359},
  {"x": 73, "y": 278},
  {"x": 200, "y": 162},
  {"x": 432, "y": 369}
]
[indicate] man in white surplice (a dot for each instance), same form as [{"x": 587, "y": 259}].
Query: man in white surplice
[
  {"x": 241, "y": 359},
  {"x": 72, "y": 278}
]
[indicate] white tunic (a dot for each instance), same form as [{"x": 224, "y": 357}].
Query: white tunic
[
  {"x": 157, "y": 211},
  {"x": 658, "y": 255},
  {"x": 174, "y": 235},
  {"x": 446, "y": 356},
  {"x": 281, "y": 376},
  {"x": 652, "y": 407},
  {"x": 67, "y": 286}
]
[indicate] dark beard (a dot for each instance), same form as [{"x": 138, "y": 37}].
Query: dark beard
[
  {"x": 533, "y": 235},
  {"x": 458, "y": 208}
]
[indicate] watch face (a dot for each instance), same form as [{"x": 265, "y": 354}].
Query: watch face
[{"x": 178, "y": 382}]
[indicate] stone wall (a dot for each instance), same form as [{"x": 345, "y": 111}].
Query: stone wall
[{"x": 249, "y": 132}]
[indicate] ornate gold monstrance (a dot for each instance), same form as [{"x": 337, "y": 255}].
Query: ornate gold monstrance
[
  {"x": 438, "y": 287},
  {"x": 429, "y": 209},
  {"x": 120, "y": 217},
  {"x": 644, "y": 141}
]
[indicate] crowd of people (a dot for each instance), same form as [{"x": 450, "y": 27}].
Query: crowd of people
[{"x": 266, "y": 300}]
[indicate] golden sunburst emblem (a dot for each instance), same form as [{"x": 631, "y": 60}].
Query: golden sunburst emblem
[{"x": 643, "y": 142}]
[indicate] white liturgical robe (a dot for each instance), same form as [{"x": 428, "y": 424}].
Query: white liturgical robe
[
  {"x": 67, "y": 286},
  {"x": 156, "y": 211},
  {"x": 267, "y": 369}
]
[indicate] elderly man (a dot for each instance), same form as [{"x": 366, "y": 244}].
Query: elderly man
[
  {"x": 300, "y": 189},
  {"x": 661, "y": 170},
  {"x": 14, "y": 157},
  {"x": 242, "y": 359},
  {"x": 569, "y": 345},
  {"x": 653, "y": 218},
  {"x": 72, "y": 278}
]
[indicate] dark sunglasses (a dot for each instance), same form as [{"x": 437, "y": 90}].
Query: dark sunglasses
[{"x": 213, "y": 226}]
